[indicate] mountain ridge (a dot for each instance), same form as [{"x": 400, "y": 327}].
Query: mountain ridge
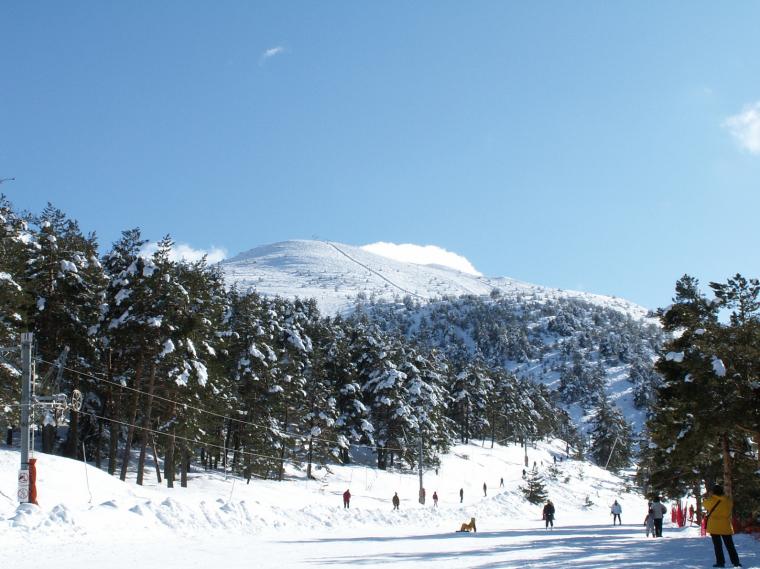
[{"x": 336, "y": 275}]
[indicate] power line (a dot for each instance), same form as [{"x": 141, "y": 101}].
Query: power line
[
  {"x": 192, "y": 441},
  {"x": 200, "y": 410}
]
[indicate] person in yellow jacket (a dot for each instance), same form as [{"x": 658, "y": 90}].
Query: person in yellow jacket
[{"x": 719, "y": 508}]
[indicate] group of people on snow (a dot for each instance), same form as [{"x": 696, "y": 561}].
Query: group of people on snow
[
  {"x": 716, "y": 521},
  {"x": 719, "y": 509},
  {"x": 653, "y": 521}
]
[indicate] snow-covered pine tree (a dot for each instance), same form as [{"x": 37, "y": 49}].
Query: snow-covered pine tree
[
  {"x": 426, "y": 380},
  {"x": 247, "y": 358},
  {"x": 738, "y": 351},
  {"x": 195, "y": 314},
  {"x": 319, "y": 407},
  {"x": 66, "y": 280},
  {"x": 384, "y": 386},
  {"x": 471, "y": 391},
  {"x": 687, "y": 425},
  {"x": 352, "y": 424},
  {"x": 16, "y": 246},
  {"x": 611, "y": 437},
  {"x": 534, "y": 489}
]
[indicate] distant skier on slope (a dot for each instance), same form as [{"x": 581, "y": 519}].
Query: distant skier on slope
[
  {"x": 549, "y": 514},
  {"x": 346, "y": 499},
  {"x": 616, "y": 510},
  {"x": 395, "y": 501}
]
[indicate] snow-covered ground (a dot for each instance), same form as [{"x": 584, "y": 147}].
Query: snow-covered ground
[{"x": 301, "y": 523}]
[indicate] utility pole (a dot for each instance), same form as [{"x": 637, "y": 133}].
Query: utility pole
[
  {"x": 422, "y": 489},
  {"x": 27, "y": 339},
  {"x": 617, "y": 440}
]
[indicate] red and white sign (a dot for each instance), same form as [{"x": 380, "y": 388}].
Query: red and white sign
[{"x": 23, "y": 485}]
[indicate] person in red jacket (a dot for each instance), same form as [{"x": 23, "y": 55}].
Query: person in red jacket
[{"x": 346, "y": 499}]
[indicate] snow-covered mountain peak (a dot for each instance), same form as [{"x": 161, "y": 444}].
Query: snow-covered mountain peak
[{"x": 335, "y": 274}]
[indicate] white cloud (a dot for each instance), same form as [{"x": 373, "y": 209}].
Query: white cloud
[
  {"x": 422, "y": 255},
  {"x": 184, "y": 252},
  {"x": 271, "y": 52},
  {"x": 745, "y": 127}
]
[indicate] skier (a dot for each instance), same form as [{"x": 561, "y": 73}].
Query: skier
[
  {"x": 658, "y": 511},
  {"x": 649, "y": 521},
  {"x": 616, "y": 510},
  {"x": 461, "y": 495},
  {"x": 549, "y": 514},
  {"x": 719, "y": 508},
  {"x": 346, "y": 498},
  {"x": 435, "y": 498},
  {"x": 501, "y": 482},
  {"x": 395, "y": 501},
  {"x": 691, "y": 513},
  {"x": 485, "y": 490}
]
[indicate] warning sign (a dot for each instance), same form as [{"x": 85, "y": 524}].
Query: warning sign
[{"x": 23, "y": 485}]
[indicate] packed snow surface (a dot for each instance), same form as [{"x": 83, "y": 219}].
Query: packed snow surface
[
  {"x": 87, "y": 517},
  {"x": 335, "y": 273}
]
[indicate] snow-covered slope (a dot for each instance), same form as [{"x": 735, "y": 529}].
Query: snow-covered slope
[
  {"x": 335, "y": 274},
  {"x": 82, "y": 500},
  {"x": 88, "y": 518}
]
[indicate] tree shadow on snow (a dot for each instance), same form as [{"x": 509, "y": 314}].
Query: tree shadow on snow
[{"x": 589, "y": 547}]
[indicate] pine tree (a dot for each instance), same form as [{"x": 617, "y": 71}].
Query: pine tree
[
  {"x": 610, "y": 436},
  {"x": 352, "y": 424},
  {"x": 16, "y": 246},
  {"x": 65, "y": 278},
  {"x": 534, "y": 489}
]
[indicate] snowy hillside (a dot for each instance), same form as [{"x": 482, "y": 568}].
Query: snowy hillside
[
  {"x": 335, "y": 274},
  {"x": 574, "y": 342},
  {"x": 300, "y": 523}
]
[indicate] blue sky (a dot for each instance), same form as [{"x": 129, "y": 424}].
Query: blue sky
[{"x": 603, "y": 146}]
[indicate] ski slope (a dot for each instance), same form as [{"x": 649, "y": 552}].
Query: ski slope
[
  {"x": 86, "y": 515},
  {"x": 335, "y": 273}
]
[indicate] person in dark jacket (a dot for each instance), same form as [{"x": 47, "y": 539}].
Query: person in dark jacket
[
  {"x": 549, "y": 514},
  {"x": 395, "y": 501},
  {"x": 346, "y": 498},
  {"x": 719, "y": 508},
  {"x": 435, "y": 499},
  {"x": 461, "y": 495},
  {"x": 485, "y": 490}
]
